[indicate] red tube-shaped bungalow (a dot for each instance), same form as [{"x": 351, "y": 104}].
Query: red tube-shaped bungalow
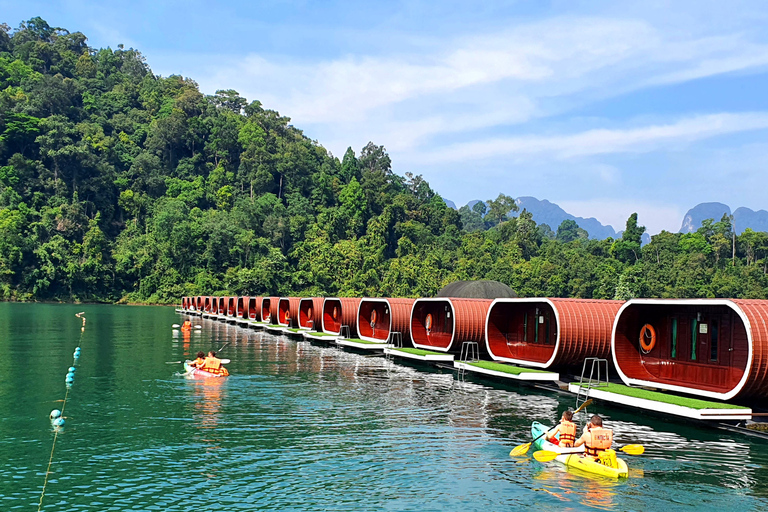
[
  {"x": 547, "y": 333},
  {"x": 207, "y": 304},
  {"x": 231, "y": 306},
  {"x": 221, "y": 308},
  {"x": 269, "y": 307},
  {"x": 199, "y": 302},
  {"x": 715, "y": 348},
  {"x": 254, "y": 308},
  {"x": 311, "y": 313},
  {"x": 378, "y": 318},
  {"x": 288, "y": 310},
  {"x": 338, "y": 312},
  {"x": 242, "y": 307},
  {"x": 443, "y": 324},
  {"x": 185, "y": 303}
]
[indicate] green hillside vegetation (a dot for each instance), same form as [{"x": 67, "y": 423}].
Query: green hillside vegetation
[{"x": 120, "y": 185}]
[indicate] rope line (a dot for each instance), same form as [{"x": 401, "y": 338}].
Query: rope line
[{"x": 57, "y": 430}]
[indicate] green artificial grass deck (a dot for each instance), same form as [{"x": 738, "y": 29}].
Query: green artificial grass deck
[
  {"x": 366, "y": 342},
  {"x": 322, "y": 334},
  {"x": 505, "y": 368},
  {"x": 275, "y": 326},
  {"x": 420, "y": 352},
  {"x": 692, "y": 403}
]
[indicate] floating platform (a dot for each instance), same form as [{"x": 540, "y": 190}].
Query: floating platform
[
  {"x": 363, "y": 344},
  {"x": 674, "y": 405},
  {"x": 507, "y": 371},
  {"x": 321, "y": 336},
  {"x": 419, "y": 355}
]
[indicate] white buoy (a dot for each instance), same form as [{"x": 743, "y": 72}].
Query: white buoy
[
  {"x": 175, "y": 326},
  {"x": 198, "y": 327},
  {"x": 55, "y": 414}
]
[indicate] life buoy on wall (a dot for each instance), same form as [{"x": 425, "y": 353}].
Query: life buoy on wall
[
  {"x": 335, "y": 313},
  {"x": 373, "y": 319},
  {"x": 428, "y": 323},
  {"x": 647, "y": 338}
]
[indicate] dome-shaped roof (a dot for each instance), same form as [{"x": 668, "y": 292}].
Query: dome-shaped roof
[{"x": 482, "y": 289}]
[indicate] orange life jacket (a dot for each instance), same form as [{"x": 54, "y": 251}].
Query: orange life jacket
[
  {"x": 567, "y": 433},
  {"x": 198, "y": 362},
  {"x": 212, "y": 362},
  {"x": 600, "y": 439}
]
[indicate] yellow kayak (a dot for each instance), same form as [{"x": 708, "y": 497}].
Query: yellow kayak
[{"x": 590, "y": 465}]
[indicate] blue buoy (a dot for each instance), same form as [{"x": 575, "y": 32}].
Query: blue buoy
[
  {"x": 72, "y": 369},
  {"x": 76, "y": 355},
  {"x": 70, "y": 378},
  {"x": 55, "y": 414},
  {"x": 58, "y": 422}
]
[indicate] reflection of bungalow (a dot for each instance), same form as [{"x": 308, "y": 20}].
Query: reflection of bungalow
[
  {"x": 311, "y": 313},
  {"x": 548, "y": 333},
  {"x": 715, "y": 348},
  {"x": 442, "y": 324},
  {"x": 254, "y": 308},
  {"x": 288, "y": 311},
  {"x": 338, "y": 312},
  {"x": 378, "y": 318},
  {"x": 269, "y": 309}
]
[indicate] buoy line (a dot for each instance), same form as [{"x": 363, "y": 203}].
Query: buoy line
[{"x": 57, "y": 416}]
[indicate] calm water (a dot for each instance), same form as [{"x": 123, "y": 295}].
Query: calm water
[{"x": 303, "y": 427}]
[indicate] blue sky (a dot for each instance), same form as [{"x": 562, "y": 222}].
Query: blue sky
[{"x": 605, "y": 108}]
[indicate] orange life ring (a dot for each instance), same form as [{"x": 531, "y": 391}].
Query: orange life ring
[
  {"x": 428, "y": 322},
  {"x": 647, "y": 338},
  {"x": 373, "y": 318},
  {"x": 335, "y": 313}
]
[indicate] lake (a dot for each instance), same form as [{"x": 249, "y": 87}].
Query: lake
[{"x": 304, "y": 427}]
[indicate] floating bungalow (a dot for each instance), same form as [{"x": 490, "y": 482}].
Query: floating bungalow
[
  {"x": 714, "y": 348},
  {"x": 547, "y": 333},
  {"x": 380, "y": 320},
  {"x": 311, "y": 313},
  {"x": 254, "y": 308},
  {"x": 339, "y": 313},
  {"x": 442, "y": 324},
  {"x": 288, "y": 311},
  {"x": 269, "y": 307}
]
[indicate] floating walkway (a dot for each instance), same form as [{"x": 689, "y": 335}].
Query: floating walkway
[
  {"x": 640, "y": 398},
  {"x": 419, "y": 354},
  {"x": 506, "y": 371}
]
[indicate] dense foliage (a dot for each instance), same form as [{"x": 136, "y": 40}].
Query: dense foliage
[{"x": 116, "y": 184}]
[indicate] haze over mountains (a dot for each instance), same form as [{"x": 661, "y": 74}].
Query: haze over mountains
[{"x": 546, "y": 212}]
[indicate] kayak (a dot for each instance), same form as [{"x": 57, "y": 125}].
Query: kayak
[
  {"x": 192, "y": 372},
  {"x": 574, "y": 457}
]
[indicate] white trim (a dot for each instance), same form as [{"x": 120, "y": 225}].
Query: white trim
[
  {"x": 428, "y": 357},
  {"x": 341, "y": 315},
  {"x": 675, "y": 410},
  {"x": 453, "y": 327},
  {"x": 362, "y": 346},
  {"x": 523, "y": 362},
  {"x": 685, "y": 389}
]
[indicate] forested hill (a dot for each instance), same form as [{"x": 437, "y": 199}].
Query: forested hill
[{"x": 116, "y": 184}]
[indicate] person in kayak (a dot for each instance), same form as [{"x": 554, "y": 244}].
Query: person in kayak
[
  {"x": 567, "y": 430},
  {"x": 212, "y": 361},
  {"x": 595, "y": 438},
  {"x": 198, "y": 363}
]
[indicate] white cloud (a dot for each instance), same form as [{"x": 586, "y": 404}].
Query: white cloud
[{"x": 603, "y": 141}]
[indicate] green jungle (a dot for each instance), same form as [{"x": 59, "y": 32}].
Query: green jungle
[{"x": 117, "y": 185}]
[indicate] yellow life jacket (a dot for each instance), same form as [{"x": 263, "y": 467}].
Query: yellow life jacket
[{"x": 212, "y": 362}]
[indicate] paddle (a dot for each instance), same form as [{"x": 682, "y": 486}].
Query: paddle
[
  {"x": 546, "y": 455},
  {"x": 223, "y": 361},
  {"x": 523, "y": 448}
]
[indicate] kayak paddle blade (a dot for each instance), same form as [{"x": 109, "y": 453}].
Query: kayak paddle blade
[
  {"x": 584, "y": 405},
  {"x": 633, "y": 449},
  {"x": 544, "y": 455},
  {"x": 520, "y": 450}
]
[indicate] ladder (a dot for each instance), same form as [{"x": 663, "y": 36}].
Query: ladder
[
  {"x": 345, "y": 329},
  {"x": 598, "y": 377},
  {"x": 470, "y": 352}
]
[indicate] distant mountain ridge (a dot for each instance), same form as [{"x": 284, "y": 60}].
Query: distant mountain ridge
[
  {"x": 546, "y": 212},
  {"x": 743, "y": 218}
]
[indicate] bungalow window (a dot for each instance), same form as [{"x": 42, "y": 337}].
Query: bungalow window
[
  {"x": 713, "y": 339},
  {"x": 674, "y": 338},
  {"x": 694, "y": 333}
]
